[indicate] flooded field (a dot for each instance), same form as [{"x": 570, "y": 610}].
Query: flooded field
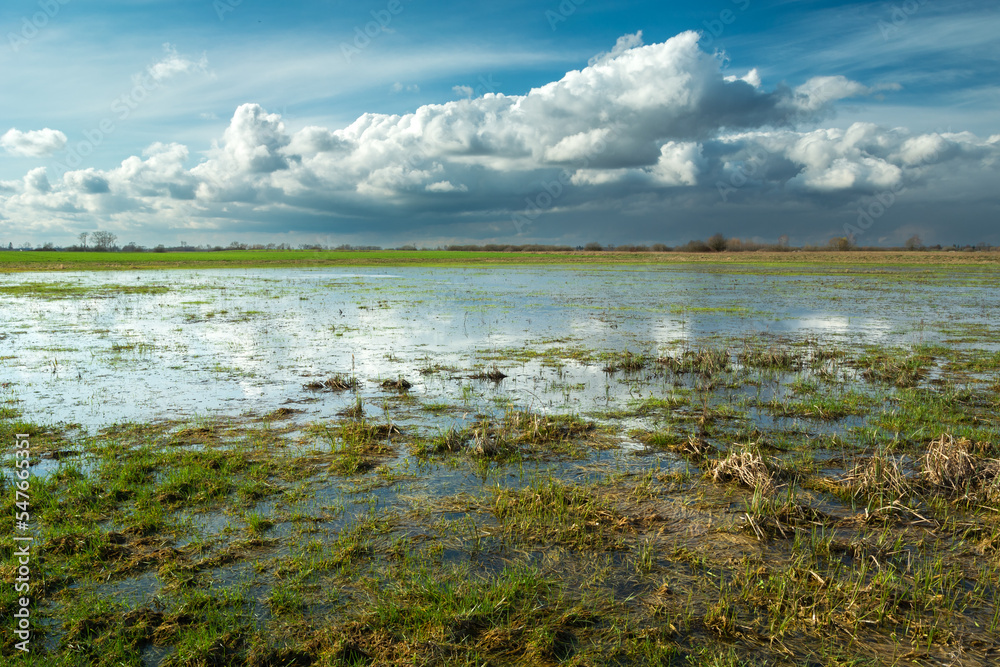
[{"x": 684, "y": 464}]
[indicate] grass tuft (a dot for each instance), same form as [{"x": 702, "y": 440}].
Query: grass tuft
[
  {"x": 881, "y": 477},
  {"x": 401, "y": 384},
  {"x": 341, "y": 383},
  {"x": 747, "y": 468}
]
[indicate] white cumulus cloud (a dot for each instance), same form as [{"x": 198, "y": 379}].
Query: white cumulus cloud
[
  {"x": 173, "y": 64},
  {"x": 33, "y": 143},
  {"x": 640, "y": 124}
]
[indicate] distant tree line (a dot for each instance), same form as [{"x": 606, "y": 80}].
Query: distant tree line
[
  {"x": 719, "y": 243},
  {"x": 107, "y": 242},
  {"x": 103, "y": 241}
]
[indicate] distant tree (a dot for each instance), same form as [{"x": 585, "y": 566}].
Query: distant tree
[
  {"x": 660, "y": 247},
  {"x": 10, "y": 246},
  {"x": 783, "y": 241},
  {"x": 48, "y": 246},
  {"x": 914, "y": 243},
  {"x": 840, "y": 243},
  {"x": 593, "y": 246},
  {"x": 83, "y": 238},
  {"x": 716, "y": 242},
  {"x": 696, "y": 245},
  {"x": 104, "y": 240}
]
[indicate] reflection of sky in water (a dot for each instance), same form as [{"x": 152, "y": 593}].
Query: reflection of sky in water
[{"x": 231, "y": 341}]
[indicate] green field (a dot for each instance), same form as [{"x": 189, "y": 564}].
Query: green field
[{"x": 11, "y": 261}]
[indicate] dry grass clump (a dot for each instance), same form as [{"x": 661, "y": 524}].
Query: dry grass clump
[
  {"x": 948, "y": 464},
  {"x": 336, "y": 383},
  {"x": 881, "y": 475},
  {"x": 402, "y": 384},
  {"x": 748, "y": 468},
  {"x": 494, "y": 374},
  {"x": 695, "y": 448},
  {"x": 951, "y": 466},
  {"x": 282, "y": 413},
  {"x": 991, "y": 488},
  {"x": 340, "y": 383}
]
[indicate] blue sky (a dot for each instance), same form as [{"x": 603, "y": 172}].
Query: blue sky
[{"x": 209, "y": 121}]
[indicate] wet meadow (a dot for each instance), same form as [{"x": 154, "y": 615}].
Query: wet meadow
[{"x": 552, "y": 464}]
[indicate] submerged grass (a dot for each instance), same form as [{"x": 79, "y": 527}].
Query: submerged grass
[
  {"x": 788, "y": 504},
  {"x": 63, "y": 290},
  {"x": 553, "y": 512}
]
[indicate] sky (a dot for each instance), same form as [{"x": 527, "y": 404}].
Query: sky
[{"x": 397, "y": 122}]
